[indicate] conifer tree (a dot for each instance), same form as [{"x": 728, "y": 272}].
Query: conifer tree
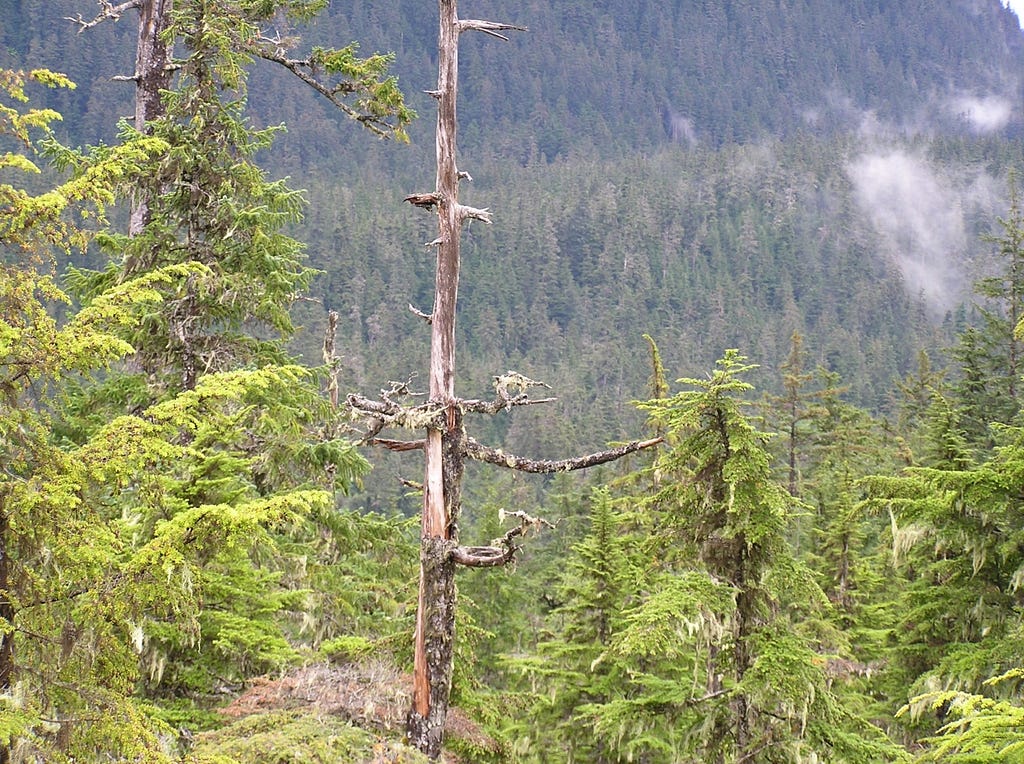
[
  {"x": 67, "y": 665},
  {"x": 795, "y": 409},
  {"x": 267, "y": 446},
  {"x": 750, "y": 684},
  {"x": 989, "y": 355},
  {"x": 956, "y": 541},
  {"x": 574, "y": 669}
]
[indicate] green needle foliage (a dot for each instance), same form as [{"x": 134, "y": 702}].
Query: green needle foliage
[
  {"x": 688, "y": 631},
  {"x": 67, "y": 595},
  {"x": 152, "y": 536}
]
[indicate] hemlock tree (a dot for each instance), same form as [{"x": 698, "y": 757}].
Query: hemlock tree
[
  {"x": 574, "y": 668},
  {"x": 209, "y": 203},
  {"x": 446, "y": 445},
  {"x": 727, "y": 597},
  {"x": 956, "y": 536},
  {"x": 262, "y": 453},
  {"x": 795, "y": 409}
]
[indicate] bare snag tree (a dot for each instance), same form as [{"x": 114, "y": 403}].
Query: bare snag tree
[{"x": 446, "y": 444}]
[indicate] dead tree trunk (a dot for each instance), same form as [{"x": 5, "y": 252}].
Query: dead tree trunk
[
  {"x": 435, "y": 615},
  {"x": 152, "y": 77},
  {"x": 446, "y": 444}
]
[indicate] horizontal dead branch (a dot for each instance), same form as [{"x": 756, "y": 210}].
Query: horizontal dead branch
[
  {"x": 426, "y": 201},
  {"x": 489, "y": 27},
  {"x": 387, "y": 413},
  {"x": 472, "y": 213},
  {"x": 377, "y": 409},
  {"x": 483, "y": 556},
  {"x": 502, "y": 551},
  {"x": 482, "y": 453},
  {"x": 397, "y": 445},
  {"x": 502, "y": 404}
]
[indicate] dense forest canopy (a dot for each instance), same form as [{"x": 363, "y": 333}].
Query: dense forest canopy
[
  {"x": 806, "y": 211},
  {"x": 800, "y": 132}
]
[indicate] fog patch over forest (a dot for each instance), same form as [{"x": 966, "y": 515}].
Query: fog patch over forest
[
  {"x": 921, "y": 212},
  {"x": 985, "y": 114}
]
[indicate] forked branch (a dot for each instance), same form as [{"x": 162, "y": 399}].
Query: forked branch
[
  {"x": 108, "y": 12},
  {"x": 489, "y": 27}
]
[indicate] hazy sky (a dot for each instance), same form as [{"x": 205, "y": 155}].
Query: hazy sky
[{"x": 1018, "y": 7}]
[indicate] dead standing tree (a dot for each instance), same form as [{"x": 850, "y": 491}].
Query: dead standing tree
[{"x": 446, "y": 444}]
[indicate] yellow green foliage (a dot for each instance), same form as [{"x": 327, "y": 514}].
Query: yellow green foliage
[{"x": 292, "y": 737}]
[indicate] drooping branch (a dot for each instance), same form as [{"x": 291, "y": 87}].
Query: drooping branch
[
  {"x": 270, "y": 49},
  {"x": 420, "y": 314},
  {"x": 482, "y": 453}
]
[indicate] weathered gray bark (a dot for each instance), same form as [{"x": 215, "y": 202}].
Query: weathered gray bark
[
  {"x": 446, "y": 445},
  {"x": 153, "y": 70},
  {"x": 152, "y": 76},
  {"x": 435, "y": 617}
]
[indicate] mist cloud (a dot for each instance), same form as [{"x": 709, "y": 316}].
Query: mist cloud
[
  {"x": 920, "y": 214},
  {"x": 984, "y": 114}
]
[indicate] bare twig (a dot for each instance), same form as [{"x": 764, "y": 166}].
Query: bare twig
[{"x": 108, "y": 12}]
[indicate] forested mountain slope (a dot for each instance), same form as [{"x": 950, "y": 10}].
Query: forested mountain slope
[
  {"x": 715, "y": 174},
  {"x": 818, "y": 558},
  {"x": 603, "y": 77}
]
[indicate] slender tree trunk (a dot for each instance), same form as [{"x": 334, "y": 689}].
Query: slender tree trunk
[
  {"x": 7, "y": 619},
  {"x": 435, "y": 618},
  {"x": 152, "y": 76}
]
